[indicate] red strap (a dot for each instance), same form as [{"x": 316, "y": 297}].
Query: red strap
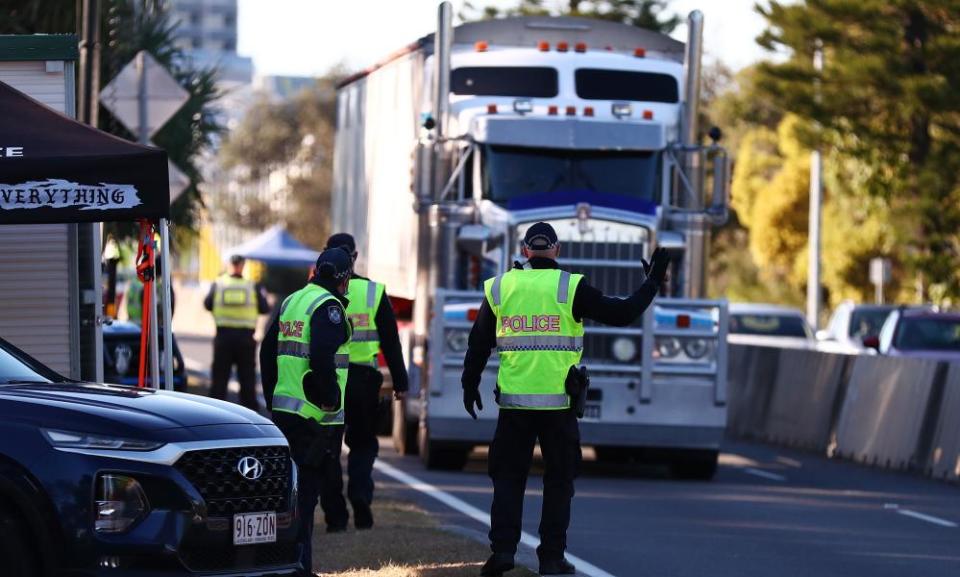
[{"x": 145, "y": 273}]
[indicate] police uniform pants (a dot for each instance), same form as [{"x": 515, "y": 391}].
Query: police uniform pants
[
  {"x": 360, "y": 414},
  {"x": 235, "y": 347},
  {"x": 509, "y": 463}
]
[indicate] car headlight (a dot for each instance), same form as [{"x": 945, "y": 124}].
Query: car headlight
[
  {"x": 71, "y": 440},
  {"x": 668, "y": 347},
  {"x": 457, "y": 340},
  {"x": 624, "y": 349},
  {"x": 696, "y": 349},
  {"x": 120, "y": 503}
]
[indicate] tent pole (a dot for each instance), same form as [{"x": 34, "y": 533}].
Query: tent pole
[
  {"x": 154, "y": 348},
  {"x": 167, "y": 302}
]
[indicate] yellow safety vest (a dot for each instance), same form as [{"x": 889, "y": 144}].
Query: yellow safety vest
[
  {"x": 235, "y": 303},
  {"x": 538, "y": 338},
  {"x": 364, "y": 296},
  {"x": 293, "y": 356}
]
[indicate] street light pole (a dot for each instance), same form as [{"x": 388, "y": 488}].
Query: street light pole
[{"x": 816, "y": 216}]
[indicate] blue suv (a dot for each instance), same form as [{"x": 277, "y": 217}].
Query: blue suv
[{"x": 114, "y": 480}]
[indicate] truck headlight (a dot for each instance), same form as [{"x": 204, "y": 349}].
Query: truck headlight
[
  {"x": 72, "y": 440},
  {"x": 457, "y": 340},
  {"x": 696, "y": 349},
  {"x": 120, "y": 503},
  {"x": 624, "y": 349},
  {"x": 668, "y": 347}
]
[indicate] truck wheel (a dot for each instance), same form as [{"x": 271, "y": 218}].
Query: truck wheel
[
  {"x": 441, "y": 455},
  {"x": 404, "y": 432},
  {"x": 698, "y": 465},
  {"x": 20, "y": 560}
]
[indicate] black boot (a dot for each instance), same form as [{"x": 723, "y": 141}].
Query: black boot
[
  {"x": 362, "y": 515},
  {"x": 497, "y": 565},
  {"x": 556, "y": 566}
]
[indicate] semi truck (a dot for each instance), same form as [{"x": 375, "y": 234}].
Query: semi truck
[{"x": 449, "y": 149}]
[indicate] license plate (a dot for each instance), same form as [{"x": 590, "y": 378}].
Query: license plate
[
  {"x": 250, "y": 528},
  {"x": 591, "y": 412}
]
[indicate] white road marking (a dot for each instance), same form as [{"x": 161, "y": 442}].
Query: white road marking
[
  {"x": 764, "y": 474},
  {"x": 928, "y": 518},
  {"x": 483, "y": 517}
]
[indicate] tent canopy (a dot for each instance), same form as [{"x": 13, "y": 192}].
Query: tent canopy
[
  {"x": 55, "y": 169},
  {"x": 275, "y": 246}
]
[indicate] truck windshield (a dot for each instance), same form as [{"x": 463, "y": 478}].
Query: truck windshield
[{"x": 520, "y": 177}]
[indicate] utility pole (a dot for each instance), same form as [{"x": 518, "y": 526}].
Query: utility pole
[
  {"x": 89, "y": 80},
  {"x": 816, "y": 205}
]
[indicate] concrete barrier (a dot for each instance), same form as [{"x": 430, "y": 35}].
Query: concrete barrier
[
  {"x": 945, "y": 454},
  {"x": 807, "y": 390},
  {"x": 751, "y": 375},
  {"x": 884, "y": 411}
]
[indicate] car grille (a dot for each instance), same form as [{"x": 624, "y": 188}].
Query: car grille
[
  {"x": 595, "y": 260},
  {"x": 205, "y": 557},
  {"x": 226, "y": 492}
]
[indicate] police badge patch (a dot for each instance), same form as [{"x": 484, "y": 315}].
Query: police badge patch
[{"x": 335, "y": 314}]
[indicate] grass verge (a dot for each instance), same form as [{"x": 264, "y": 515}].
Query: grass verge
[{"x": 405, "y": 542}]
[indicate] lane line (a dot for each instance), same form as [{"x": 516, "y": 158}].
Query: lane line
[
  {"x": 764, "y": 474},
  {"x": 483, "y": 517},
  {"x": 928, "y": 518}
]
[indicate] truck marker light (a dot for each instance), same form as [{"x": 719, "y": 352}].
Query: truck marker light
[
  {"x": 648, "y": 115},
  {"x": 481, "y": 45},
  {"x": 522, "y": 105},
  {"x": 588, "y": 111},
  {"x": 491, "y": 109},
  {"x": 580, "y": 47},
  {"x": 543, "y": 46},
  {"x": 472, "y": 314},
  {"x": 608, "y": 48},
  {"x": 571, "y": 111},
  {"x": 683, "y": 321},
  {"x": 640, "y": 52},
  {"x": 552, "y": 110},
  {"x": 562, "y": 47},
  {"x": 621, "y": 109}
]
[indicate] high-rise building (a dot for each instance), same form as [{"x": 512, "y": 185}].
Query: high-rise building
[{"x": 207, "y": 32}]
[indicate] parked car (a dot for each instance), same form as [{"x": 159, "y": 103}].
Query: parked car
[
  {"x": 114, "y": 480},
  {"x": 919, "y": 333},
  {"x": 121, "y": 356},
  {"x": 771, "y": 324},
  {"x": 851, "y": 323}
]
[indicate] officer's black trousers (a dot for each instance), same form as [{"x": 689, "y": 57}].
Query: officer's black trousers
[
  {"x": 360, "y": 413},
  {"x": 235, "y": 347},
  {"x": 509, "y": 462}
]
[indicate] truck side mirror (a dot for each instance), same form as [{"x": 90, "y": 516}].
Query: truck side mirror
[{"x": 715, "y": 134}]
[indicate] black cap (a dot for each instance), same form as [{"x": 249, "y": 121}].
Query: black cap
[
  {"x": 540, "y": 236},
  {"x": 342, "y": 240},
  {"x": 334, "y": 264},
  {"x": 237, "y": 259}
]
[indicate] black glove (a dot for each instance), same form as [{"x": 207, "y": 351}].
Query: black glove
[
  {"x": 471, "y": 397},
  {"x": 656, "y": 269}
]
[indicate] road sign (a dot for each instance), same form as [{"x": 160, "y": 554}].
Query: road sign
[{"x": 165, "y": 96}]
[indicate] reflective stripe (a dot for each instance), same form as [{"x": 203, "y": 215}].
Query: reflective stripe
[
  {"x": 371, "y": 294},
  {"x": 341, "y": 361},
  {"x": 371, "y": 363},
  {"x": 313, "y": 306},
  {"x": 495, "y": 291},
  {"x": 293, "y": 349},
  {"x": 333, "y": 418},
  {"x": 287, "y": 403},
  {"x": 365, "y": 336},
  {"x": 283, "y": 307},
  {"x": 539, "y": 343},
  {"x": 533, "y": 401},
  {"x": 564, "y": 287}
]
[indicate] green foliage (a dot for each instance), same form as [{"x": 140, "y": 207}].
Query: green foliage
[{"x": 649, "y": 14}]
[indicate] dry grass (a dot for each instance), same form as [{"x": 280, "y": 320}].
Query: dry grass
[{"x": 405, "y": 542}]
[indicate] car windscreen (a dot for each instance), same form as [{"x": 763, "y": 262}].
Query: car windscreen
[
  {"x": 770, "y": 325},
  {"x": 511, "y": 172},
  {"x": 13, "y": 369},
  {"x": 600, "y": 84},
  {"x": 867, "y": 322},
  {"x": 928, "y": 334},
  {"x": 519, "y": 81}
]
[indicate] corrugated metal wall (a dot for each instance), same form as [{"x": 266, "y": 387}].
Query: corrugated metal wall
[{"x": 38, "y": 304}]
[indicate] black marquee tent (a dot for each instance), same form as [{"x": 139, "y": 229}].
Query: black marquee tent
[{"x": 54, "y": 169}]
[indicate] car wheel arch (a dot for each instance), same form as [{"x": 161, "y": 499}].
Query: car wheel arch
[{"x": 24, "y": 495}]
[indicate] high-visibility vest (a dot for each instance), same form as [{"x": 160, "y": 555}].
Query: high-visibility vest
[
  {"x": 293, "y": 356},
  {"x": 364, "y": 296},
  {"x": 235, "y": 303},
  {"x": 538, "y": 338}
]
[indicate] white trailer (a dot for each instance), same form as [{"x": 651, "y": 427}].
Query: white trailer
[{"x": 448, "y": 150}]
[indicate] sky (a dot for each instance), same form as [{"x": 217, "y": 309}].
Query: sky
[{"x": 308, "y": 37}]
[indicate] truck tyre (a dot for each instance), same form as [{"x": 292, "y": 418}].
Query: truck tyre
[
  {"x": 698, "y": 465},
  {"x": 404, "y": 432},
  {"x": 441, "y": 455},
  {"x": 20, "y": 560}
]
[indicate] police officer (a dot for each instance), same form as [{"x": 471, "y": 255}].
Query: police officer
[
  {"x": 534, "y": 316},
  {"x": 374, "y": 329},
  {"x": 304, "y": 361},
  {"x": 235, "y": 303}
]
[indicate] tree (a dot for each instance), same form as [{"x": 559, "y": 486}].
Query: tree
[
  {"x": 885, "y": 100},
  {"x": 649, "y": 14}
]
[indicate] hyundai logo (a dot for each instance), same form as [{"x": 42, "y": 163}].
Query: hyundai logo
[{"x": 250, "y": 468}]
